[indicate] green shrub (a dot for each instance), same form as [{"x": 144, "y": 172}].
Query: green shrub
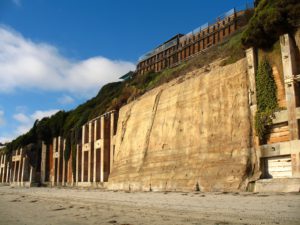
[
  {"x": 266, "y": 98},
  {"x": 271, "y": 19}
]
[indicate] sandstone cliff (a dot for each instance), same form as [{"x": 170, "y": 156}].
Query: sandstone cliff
[{"x": 191, "y": 132}]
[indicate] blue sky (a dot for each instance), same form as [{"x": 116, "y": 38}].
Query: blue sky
[{"x": 56, "y": 54}]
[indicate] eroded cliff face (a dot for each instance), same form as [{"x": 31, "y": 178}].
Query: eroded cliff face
[{"x": 192, "y": 132}]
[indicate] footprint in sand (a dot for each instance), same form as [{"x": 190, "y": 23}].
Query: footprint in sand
[{"x": 58, "y": 209}]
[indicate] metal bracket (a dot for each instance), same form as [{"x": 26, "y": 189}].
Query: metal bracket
[
  {"x": 292, "y": 79},
  {"x": 56, "y": 155}
]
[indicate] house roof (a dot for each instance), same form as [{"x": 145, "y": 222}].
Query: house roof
[{"x": 127, "y": 75}]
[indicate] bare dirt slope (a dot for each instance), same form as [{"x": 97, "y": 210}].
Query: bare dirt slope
[
  {"x": 73, "y": 206},
  {"x": 192, "y": 130}
]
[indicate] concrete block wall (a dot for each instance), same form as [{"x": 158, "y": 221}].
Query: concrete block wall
[
  {"x": 94, "y": 155},
  {"x": 113, "y": 130},
  {"x": 21, "y": 172},
  {"x": 60, "y": 169},
  {"x": 4, "y": 169},
  {"x": 280, "y": 156}
]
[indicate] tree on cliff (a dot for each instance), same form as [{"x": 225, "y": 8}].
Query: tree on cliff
[{"x": 271, "y": 19}]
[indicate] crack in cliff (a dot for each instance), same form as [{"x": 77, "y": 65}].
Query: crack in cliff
[
  {"x": 154, "y": 110},
  {"x": 124, "y": 123}
]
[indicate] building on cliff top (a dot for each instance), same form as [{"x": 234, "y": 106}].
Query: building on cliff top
[{"x": 181, "y": 47}]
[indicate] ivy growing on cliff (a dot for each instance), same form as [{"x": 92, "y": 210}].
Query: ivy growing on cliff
[{"x": 266, "y": 98}]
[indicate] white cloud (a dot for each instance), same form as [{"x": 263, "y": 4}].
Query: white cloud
[
  {"x": 65, "y": 100},
  {"x": 39, "y": 114},
  {"x": 2, "y": 120},
  {"x": 25, "y": 64},
  {"x": 21, "y": 118},
  {"x": 6, "y": 138},
  {"x": 26, "y": 122},
  {"x": 23, "y": 128}
]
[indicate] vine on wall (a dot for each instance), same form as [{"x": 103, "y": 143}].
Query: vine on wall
[{"x": 267, "y": 104}]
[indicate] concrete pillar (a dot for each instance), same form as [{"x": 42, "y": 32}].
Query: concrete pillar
[
  {"x": 4, "y": 175},
  {"x": 77, "y": 164},
  {"x": 43, "y": 162},
  {"x": 8, "y": 173},
  {"x": 23, "y": 159},
  {"x": 112, "y": 137},
  {"x": 58, "y": 160},
  {"x": 95, "y": 158},
  {"x": 90, "y": 131},
  {"x": 3, "y": 163},
  {"x": 63, "y": 163},
  {"x": 1, "y": 168},
  {"x": 289, "y": 72},
  {"x": 89, "y": 152},
  {"x": 251, "y": 69},
  {"x": 18, "y": 171},
  {"x": 30, "y": 174},
  {"x": 69, "y": 174},
  {"x": 251, "y": 57},
  {"x": 82, "y": 153},
  {"x": 102, "y": 127},
  {"x": 111, "y": 158},
  {"x": 53, "y": 156},
  {"x": 20, "y": 166},
  {"x": 102, "y": 165},
  {"x": 14, "y": 171}
]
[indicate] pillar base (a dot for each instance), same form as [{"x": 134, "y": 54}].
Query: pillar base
[{"x": 277, "y": 185}]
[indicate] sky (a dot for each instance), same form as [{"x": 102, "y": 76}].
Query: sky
[{"x": 56, "y": 54}]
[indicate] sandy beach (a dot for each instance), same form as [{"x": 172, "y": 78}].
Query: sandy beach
[{"x": 91, "y": 206}]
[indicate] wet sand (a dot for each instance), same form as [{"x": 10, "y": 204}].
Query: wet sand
[{"x": 84, "y": 206}]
